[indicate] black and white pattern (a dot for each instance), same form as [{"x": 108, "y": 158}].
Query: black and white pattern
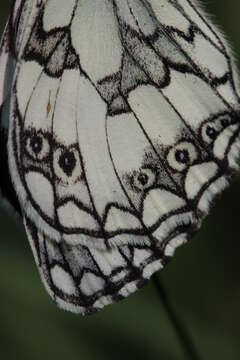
[
  {"x": 84, "y": 279},
  {"x": 122, "y": 118}
]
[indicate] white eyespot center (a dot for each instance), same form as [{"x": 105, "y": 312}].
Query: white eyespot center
[
  {"x": 182, "y": 156},
  {"x": 37, "y": 146},
  {"x": 66, "y": 165}
]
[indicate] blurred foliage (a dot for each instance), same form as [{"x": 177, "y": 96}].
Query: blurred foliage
[{"x": 202, "y": 282}]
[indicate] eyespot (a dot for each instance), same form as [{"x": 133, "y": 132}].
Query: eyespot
[
  {"x": 144, "y": 178},
  {"x": 211, "y": 129},
  {"x": 37, "y": 146},
  {"x": 182, "y": 156},
  {"x": 67, "y": 165}
]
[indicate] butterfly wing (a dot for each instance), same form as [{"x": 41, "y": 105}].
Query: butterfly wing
[
  {"x": 84, "y": 280},
  {"x": 122, "y": 132}
]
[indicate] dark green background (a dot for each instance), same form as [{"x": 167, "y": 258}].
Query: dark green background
[{"x": 202, "y": 282}]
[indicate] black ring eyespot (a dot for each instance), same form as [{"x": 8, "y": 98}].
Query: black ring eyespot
[
  {"x": 66, "y": 165},
  {"x": 211, "y": 132},
  {"x": 182, "y": 155},
  {"x": 37, "y": 146},
  {"x": 67, "y": 162},
  {"x": 211, "y": 129},
  {"x": 36, "y": 143},
  {"x": 144, "y": 178}
]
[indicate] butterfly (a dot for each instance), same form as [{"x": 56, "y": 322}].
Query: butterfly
[{"x": 119, "y": 127}]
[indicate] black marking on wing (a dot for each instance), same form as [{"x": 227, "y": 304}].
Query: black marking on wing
[
  {"x": 43, "y": 47},
  {"x": 193, "y": 70},
  {"x": 76, "y": 267},
  {"x": 224, "y": 51}
]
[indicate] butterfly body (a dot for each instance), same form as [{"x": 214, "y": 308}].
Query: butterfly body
[{"x": 122, "y": 120}]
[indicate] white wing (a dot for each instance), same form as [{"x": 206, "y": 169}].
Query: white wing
[{"x": 124, "y": 126}]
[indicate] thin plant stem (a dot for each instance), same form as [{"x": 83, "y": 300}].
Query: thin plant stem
[{"x": 181, "y": 332}]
